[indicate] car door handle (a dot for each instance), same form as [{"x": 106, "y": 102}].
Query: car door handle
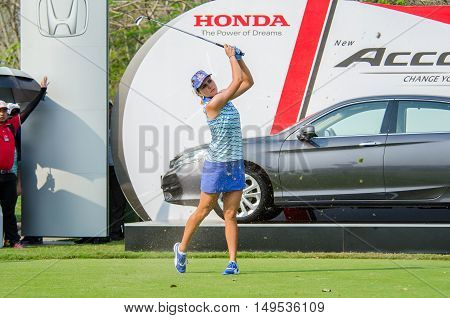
[{"x": 369, "y": 144}]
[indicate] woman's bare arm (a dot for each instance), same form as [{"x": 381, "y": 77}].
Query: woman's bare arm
[
  {"x": 247, "y": 80},
  {"x": 32, "y": 105},
  {"x": 220, "y": 99}
]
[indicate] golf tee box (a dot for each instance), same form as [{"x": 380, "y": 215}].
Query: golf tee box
[
  {"x": 304, "y": 56},
  {"x": 273, "y": 236}
]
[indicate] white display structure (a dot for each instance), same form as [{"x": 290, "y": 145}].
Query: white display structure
[
  {"x": 64, "y": 140},
  {"x": 304, "y": 56}
]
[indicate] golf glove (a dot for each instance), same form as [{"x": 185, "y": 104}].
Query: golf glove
[{"x": 238, "y": 53}]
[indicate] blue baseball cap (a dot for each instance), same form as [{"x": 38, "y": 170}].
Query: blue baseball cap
[{"x": 198, "y": 78}]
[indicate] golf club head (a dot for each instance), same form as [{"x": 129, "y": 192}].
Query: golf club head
[{"x": 139, "y": 19}]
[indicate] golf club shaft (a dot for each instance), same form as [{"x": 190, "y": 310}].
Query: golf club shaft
[{"x": 197, "y": 36}]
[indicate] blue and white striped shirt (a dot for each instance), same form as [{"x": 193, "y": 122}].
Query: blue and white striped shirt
[{"x": 226, "y": 142}]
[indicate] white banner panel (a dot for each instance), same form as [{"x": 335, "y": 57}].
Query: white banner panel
[
  {"x": 382, "y": 51},
  {"x": 160, "y": 114},
  {"x": 64, "y": 139}
]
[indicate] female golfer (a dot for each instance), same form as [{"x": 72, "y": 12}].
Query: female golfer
[{"x": 223, "y": 169}]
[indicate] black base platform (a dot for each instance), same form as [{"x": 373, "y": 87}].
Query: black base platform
[{"x": 380, "y": 238}]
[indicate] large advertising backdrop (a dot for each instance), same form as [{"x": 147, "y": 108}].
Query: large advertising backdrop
[{"x": 304, "y": 57}]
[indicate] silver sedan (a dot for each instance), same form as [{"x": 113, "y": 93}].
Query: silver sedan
[{"x": 382, "y": 151}]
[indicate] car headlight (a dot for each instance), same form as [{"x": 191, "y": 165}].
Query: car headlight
[{"x": 187, "y": 158}]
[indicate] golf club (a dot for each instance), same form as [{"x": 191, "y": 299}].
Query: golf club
[{"x": 142, "y": 17}]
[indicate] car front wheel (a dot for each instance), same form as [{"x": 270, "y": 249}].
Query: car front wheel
[{"x": 256, "y": 202}]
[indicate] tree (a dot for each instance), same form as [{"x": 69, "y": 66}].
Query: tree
[
  {"x": 125, "y": 38},
  {"x": 9, "y": 33}
]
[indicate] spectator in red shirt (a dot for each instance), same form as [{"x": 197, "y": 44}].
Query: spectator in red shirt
[
  {"x": 10, "y": 186},
  {"x": 8, "y": 175}
]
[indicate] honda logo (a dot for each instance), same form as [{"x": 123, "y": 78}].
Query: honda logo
[{"x": 62, "y": 18}]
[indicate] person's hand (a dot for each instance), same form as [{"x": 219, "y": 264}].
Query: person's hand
[
  {"x": 44, "y": 82},
  {"x": 229, "y": 50}
]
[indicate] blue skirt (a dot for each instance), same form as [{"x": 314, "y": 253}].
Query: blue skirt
[{"x": 220, "y": 177}]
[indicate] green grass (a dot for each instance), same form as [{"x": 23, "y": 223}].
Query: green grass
[
  {"x": 266, "y": 277},
  {"x": 108, "y": 271},
  {"x": 116, "y": 250}
]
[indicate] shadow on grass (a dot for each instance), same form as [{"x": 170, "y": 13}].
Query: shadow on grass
[{"x": 257, "y": 272}]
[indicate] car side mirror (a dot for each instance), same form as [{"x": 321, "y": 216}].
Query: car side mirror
[{"x": 307, "y": 133}]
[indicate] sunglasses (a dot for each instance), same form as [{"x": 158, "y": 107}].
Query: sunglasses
[{"x": 205, "y": 83}]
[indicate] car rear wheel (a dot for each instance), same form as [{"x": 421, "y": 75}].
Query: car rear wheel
[{"x": 256, "y": 203}]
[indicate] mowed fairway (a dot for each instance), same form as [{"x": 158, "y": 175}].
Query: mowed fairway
[{"x": 108, "y": 271}]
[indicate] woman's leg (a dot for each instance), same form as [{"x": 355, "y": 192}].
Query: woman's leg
[
  {"x": 207, "y": 203},
  {"x": 231, "y": 202}
]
